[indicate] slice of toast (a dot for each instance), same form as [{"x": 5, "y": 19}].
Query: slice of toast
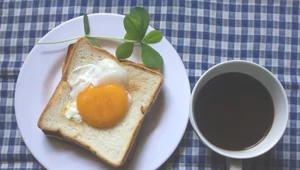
[{"x": 112, "y": 145}]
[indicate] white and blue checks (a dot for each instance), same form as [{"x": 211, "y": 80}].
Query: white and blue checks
[{"x": 204, "y": 33}]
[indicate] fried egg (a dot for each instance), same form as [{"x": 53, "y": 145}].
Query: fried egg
[{"x": 98, "y": 94}]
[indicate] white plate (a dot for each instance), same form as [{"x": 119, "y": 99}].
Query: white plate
[{"x": 161, "y": 131}]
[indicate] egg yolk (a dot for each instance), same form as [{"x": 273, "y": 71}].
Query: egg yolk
[{"x": 103, "y": 106}]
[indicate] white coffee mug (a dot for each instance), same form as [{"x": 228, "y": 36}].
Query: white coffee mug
[{"x": 281, "y": 111}]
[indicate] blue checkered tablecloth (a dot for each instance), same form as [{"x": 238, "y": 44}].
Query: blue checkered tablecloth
[{"x": 204, "y": 33}]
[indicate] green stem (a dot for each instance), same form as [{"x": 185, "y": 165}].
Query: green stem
[
  {"x": 112, "y": 38},
  {"x": 99, "y": 37},
  {"x": 57, "y": 42}
]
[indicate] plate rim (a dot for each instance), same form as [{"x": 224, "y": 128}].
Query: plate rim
[{"x": 26, "y": 60}]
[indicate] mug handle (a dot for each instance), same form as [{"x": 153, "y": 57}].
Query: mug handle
[{"x": 234, "y": 164}]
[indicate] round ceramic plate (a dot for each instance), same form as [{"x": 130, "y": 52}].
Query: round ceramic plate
[{"x": 161, "y": 131}]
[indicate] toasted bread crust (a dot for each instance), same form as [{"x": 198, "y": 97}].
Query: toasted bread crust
[
  {"x": 54, "y": 96},
  {"x": 57, "y": 133},
  {"x": 67, "y": 58}
]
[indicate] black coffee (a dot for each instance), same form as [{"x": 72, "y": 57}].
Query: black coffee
[{"x": 234, "y": 111}]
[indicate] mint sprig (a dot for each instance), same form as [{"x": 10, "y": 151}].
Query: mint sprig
[{"x": 136, "y": 24}]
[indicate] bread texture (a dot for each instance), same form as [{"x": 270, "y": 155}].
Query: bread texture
[{"x": 112, "y": 145}]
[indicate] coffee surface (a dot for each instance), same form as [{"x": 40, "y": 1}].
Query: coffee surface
[{"x": 234, "y": 111}]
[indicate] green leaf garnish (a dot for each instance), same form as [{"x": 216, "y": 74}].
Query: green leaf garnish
[
  {"x": 124, "y": 50},
  {"x": 133, "y": 28},
  {"x": 151, "y": 58},
  {"x": 136, "y": 25},
  {"x": 131, "y": 37},
  {"x": 141, "y": 16},
  {"x": 86, "y": 24},
  {"x": 153, "y": 37}
]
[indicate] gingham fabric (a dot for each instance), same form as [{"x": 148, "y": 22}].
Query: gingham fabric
[{"x": 204, "y": 33}]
